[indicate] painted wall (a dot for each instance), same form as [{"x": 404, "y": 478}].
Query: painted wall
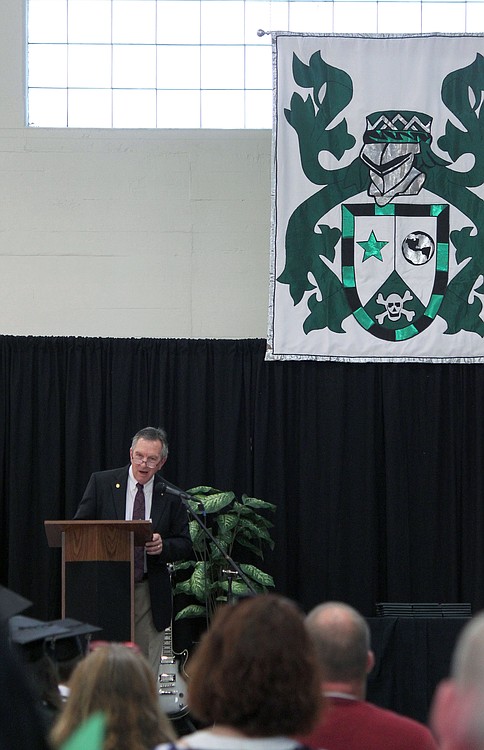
[{"x": 128, "y": 233}]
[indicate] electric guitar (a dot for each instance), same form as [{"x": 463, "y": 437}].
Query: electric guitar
[{"x": 172, "y": 679}]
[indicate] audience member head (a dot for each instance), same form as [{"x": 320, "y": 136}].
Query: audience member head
[
  {"x": 66, "y": 653},
  {"x": 255, "y": 670},
  {"x": 45, "y": 683},
  {"x": 342, "y": 639},
  {"x": 118, "y": 681},
  {"x": 457, "y": 714}
]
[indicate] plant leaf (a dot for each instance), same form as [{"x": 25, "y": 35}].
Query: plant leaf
[
  {"x": 215, "y": 552},
  {"x": 183, "y": 565},
  {"x": 256, "y": 574},
  {"x": 239, "y": 588},
  {"x": 201, "y": 581},
  {"x": 250, "y": 545},
  {"x": 183, "y": 587},
  {"x": 252, "y": 530},
  {"x": 255, "y": 502},
  {"x": 214, "y": 503},
  {"x": 196, "y": 532},
  {"x": 247, "y": 512},
  {"x": 226, "y": 522},
  {"x": 203, "y": 490},
  {"x": 192, "y": 610}
]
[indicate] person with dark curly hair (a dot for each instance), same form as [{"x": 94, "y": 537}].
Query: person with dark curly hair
[
  {"x": 254, "y": 678},
  {"x": 117, "y": 681}
]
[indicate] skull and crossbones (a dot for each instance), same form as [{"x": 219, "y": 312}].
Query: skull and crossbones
[{"x": 394, "y": 307}]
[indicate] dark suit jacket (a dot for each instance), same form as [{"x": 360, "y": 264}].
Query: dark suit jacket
[{"x": 104, "y": 499}]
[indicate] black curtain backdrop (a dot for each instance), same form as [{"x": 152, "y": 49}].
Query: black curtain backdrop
[{"x": 376, "y": 469}]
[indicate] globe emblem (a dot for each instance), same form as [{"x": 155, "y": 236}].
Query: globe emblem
[{"x": 418, "y": 248}]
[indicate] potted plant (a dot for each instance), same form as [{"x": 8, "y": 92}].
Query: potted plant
[{"x": 239, "y": 528}]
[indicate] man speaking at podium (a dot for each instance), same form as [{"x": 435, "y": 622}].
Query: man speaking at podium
[{"x": 136, "y": 492}]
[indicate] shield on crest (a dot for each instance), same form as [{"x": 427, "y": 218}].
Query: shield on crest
[{"x": 395, "y": 265}]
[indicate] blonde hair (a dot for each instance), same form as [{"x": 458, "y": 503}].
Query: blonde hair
[{"x": 117, "y": 681}]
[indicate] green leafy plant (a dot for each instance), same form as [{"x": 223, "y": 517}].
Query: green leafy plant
[{"x": 239, "y": 528}]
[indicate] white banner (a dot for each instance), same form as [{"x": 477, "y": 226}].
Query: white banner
[{"x": 378, "y": 214}]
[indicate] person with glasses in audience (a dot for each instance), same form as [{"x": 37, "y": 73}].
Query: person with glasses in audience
[
  {"x": 137, "y": 491},
  {"x": 116, "y": 680}
]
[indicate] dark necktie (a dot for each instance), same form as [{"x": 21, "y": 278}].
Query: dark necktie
[{"x": 139, "y": 515}]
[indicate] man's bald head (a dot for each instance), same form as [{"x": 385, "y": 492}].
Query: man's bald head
[{"x": 342, "y": 638}]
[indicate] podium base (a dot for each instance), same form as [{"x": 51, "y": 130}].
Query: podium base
[{"x": 98, "y": 592}]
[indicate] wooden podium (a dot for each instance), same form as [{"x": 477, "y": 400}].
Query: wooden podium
[{"x": 98, "y": 572}]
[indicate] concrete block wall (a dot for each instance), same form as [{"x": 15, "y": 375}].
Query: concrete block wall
[{"x": 128, "y": 233}]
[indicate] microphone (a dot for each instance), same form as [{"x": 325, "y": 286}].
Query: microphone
[
  {"x": 184, "y": 496},
  {"x": 173, "y": 491}
]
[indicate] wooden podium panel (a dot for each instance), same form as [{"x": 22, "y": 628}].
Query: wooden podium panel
[{"x": 98, "y": 572}]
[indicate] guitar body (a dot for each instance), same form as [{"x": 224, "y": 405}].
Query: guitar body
[{"x": 172, "y": 679}]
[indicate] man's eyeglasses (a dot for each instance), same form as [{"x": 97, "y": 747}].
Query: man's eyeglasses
[{"x": 151, "y": 463}]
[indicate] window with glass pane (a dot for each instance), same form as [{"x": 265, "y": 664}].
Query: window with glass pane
[{"x": 191, "y": 63}]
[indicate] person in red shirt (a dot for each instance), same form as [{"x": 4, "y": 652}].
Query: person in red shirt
[{"x": 349, "y": 722}]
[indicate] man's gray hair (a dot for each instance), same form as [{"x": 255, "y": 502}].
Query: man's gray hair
[
  {"x": 153, "y": 433},
  {"x": 342, "y": 639},
  {"x": 467, "y": 670}
]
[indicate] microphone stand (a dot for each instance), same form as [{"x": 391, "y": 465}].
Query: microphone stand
[{"x": 235, "y": 569}]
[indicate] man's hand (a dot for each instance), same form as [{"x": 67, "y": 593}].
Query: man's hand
[{"x": 155, "y": 546}]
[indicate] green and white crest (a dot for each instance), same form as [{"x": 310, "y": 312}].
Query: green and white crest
[{"x": 378, "y": 206}]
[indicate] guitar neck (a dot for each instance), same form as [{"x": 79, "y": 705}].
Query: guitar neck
[{"x": 167, "y": 647}]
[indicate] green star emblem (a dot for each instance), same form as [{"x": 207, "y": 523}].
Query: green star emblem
[{"x": 372, "y": 247}]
